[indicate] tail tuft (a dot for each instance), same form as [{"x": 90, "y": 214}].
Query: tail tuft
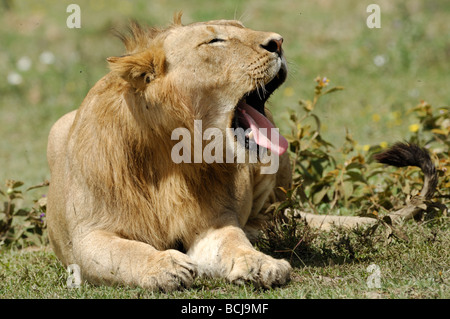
[{"x": 406, "y": 154}]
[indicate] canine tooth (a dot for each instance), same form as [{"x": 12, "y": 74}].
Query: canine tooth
[{"x": 250, "y": 135}]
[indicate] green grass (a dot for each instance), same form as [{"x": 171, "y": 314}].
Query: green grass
[
  {"x": 327, "y": 38},
  {"x": 333, "y": 266}
]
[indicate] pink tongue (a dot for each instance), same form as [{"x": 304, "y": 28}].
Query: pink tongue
[{"x": 269, "y": 139}]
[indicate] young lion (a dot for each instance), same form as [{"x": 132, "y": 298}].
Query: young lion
[{"x": 122, "y": 209}]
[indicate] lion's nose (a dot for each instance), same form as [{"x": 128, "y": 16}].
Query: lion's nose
[{"x": 273, "y": 44}]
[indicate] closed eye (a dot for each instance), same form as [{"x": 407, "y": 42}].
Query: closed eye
[{"x": 215, "y": 40}]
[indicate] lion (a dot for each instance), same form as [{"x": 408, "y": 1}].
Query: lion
[{"x": 118, "y": 205}]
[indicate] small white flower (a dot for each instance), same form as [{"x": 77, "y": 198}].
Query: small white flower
[
  {"x": 47, "y": 57},
  {"x": 14, "y": 78},
  {"x": 378, "y": 188},
  {"x": 379, "y": 60},
  {"x": 24, "y": 63},
  {"x": 413, "y": 93},
  {"x": 446, "y": 124}
]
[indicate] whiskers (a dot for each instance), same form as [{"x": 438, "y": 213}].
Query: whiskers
[
  {"x": 261, "y": 88},
  {"x": 293, "y": 68},
  {"x": 258, "y": 73}
]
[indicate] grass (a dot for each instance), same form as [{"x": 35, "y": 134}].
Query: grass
[
  {"x": 329, "y": 38},
  {"x": 417, "y": 268},
  {"x": 384, "y": 71}
]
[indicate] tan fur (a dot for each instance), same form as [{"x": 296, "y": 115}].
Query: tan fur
[{"x": 119, "y": 207}]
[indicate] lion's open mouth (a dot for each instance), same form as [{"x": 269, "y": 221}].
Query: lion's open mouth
[{"x": 249, "y": 115}]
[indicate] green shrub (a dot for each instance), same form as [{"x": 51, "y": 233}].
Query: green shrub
[
  {"x": 22, "y": 227},
  {"x": 347, "y": 181}
]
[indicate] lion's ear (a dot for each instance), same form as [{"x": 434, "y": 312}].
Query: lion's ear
[{"x": 138, "y": 69}]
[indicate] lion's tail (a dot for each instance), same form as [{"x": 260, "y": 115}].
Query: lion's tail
[{"x": 406, "y": 154}]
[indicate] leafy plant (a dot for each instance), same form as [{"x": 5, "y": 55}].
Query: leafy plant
[
  {"x": 21, "y": 227},
  {"x": 346, "y": 180}
]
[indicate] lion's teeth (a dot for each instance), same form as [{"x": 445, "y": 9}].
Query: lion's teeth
[{"x": 250, "y": 135}]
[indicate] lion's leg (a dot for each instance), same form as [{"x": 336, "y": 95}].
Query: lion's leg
[
  {"x": 226, "y": 252},
  {"x": 105, "y": 258}
]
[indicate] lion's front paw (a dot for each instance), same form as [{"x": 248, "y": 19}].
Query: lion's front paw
[
  {"x": 169, "y": 270},
  {"x": 260, "y": 269}
]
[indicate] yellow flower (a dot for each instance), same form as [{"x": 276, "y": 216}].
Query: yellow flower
[
  {"x": 414, "y": 127},
  {"x": 289, "y": 91},
  {"x": 376, "y": 117},
  {"x": 366, "y": 147},
  {"x": 384, "y": 144}
]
